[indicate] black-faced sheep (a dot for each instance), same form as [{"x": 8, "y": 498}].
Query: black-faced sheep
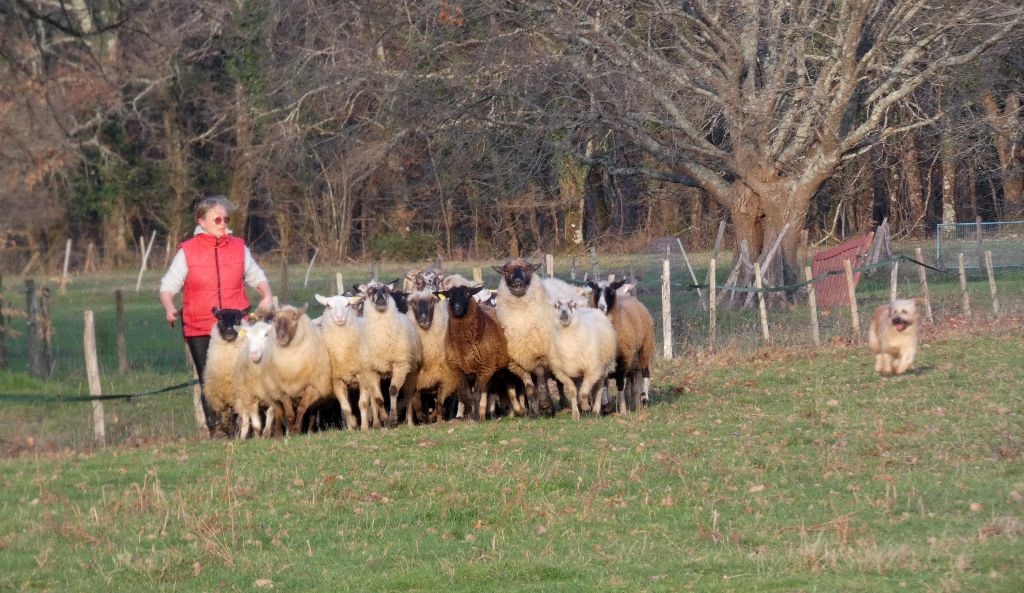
[
  {"x": 635, "y": 330},
  {"x": 582, "y": 349},
  {"x": 523, "y": 310},
  {"x": 431, "y": 323},
  {"x": 390, "y": 347},
  {"x": 218, "y": 374},
  {"x": 476, "y": 346}
]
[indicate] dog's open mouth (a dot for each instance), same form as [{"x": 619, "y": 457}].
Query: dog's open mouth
[{"x": 900, "y": 324}]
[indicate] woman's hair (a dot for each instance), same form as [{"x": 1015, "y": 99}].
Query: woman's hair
[{"x": 204, "y": 205}]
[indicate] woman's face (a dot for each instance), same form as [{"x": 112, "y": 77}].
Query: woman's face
[{"x": 215, "y": 222}]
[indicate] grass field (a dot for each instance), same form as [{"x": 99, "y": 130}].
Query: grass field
[{"x": 780, "y": 471}]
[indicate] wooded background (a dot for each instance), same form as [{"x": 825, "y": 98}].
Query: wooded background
[{"x": 485, "y": 129}]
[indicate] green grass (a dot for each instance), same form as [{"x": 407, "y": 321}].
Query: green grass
[{"x": 781, "y": 472}]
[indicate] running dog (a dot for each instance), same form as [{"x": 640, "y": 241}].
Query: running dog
[{"x": 893, "y": 336}]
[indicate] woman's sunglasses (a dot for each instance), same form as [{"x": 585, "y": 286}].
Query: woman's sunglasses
[{"x": 222, "y": 219}]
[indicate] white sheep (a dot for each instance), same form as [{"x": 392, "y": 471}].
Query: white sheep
[
  {"x": 250, "y": 389},
  {"x": 431, "y": 323},
  {"x": 583, "y": 347},
  {"x": 523, "y": 309},
  {"x": 298, "y": 365},
  {"x": 342, "y": 330},
  {"x": 390, "y": 347}
]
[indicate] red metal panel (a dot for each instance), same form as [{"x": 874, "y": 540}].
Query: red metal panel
[{"x": 831, "y": 291}]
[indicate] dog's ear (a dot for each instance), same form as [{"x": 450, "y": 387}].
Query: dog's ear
[{"x": 919, "y": 301}]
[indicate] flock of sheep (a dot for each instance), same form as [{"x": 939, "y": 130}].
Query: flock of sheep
[{"x": 446, "y": 349}]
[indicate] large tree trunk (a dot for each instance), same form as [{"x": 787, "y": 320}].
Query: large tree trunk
[
  {"x": 948, "y": 177},
  {"x": 178, "y": 172},
  {"x": 241, "y": 178},
  {"x": 912, "y": 181},
  {"x": 1007, "y": 135},
  {"x": 115, "y": 236}
]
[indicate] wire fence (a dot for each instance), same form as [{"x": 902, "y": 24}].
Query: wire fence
[
  {"x": 1004, "y": 239},
  {"x": 48, "y": 412}
]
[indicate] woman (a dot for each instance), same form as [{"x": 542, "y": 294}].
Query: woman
[{"x": 211, "y": 267}]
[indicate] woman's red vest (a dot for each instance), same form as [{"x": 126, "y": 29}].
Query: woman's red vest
[{"x": 216, "y": 274}]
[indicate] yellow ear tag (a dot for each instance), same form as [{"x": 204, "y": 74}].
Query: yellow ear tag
[
  {"x": 241, "y": 333},
  {"x": 441, "y": 296}
]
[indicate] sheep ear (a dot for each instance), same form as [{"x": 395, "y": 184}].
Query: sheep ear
[
  {"x": 476, "y": 290},
  {"x": 303, "y": 308},
  {"x": 499, "y": 269},
  {"x": 355, "y": 300},
  {"x": 320, "y": 299},
  {"x": 216, "y": 312},
  {"x": 593, "y": 286},
  {"x": 391, "y": 285},
  {"x": 359, "y": 288},
  {"x": 533, "y": 267},
  {"x": 617, "y": 284},
  {"x": 441, "y": 294}
]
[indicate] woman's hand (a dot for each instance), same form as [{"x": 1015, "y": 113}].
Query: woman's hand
[{"x": 172, "y": 316}]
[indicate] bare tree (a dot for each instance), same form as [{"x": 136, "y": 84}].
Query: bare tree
[{"x": 758, "y": 102}]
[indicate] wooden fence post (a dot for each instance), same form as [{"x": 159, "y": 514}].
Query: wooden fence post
[
  {"x": 965, "y": 297},
  {"x": 33, "y": 354},
  {"x": 572, "y": 270},
  {"x": 979, "y": 250},
  {"x": 549, "y": 265},
  {"x": 3, "y": 328},
  {"x": 309, "y": 268},
  {"x": 593, "y": 261},
  {"x": 812, "y": 303},
  {"x": 122, "y": 344},
  {"x": 992, "y": 283},
  {"x": 922, "y": 276},
  {"x": 760, "y": 302},
  {"x": 712, "y": 303},
  {"x": 894, "y": 276},
  {"x": 666, "y": 308},
  {"x": 92, "y": 369},
  {"x": 64, "y": 273},
  {"x": 45, "y": 331},
  {"x": 145, "y": 258},
  {"x": 478, "y": 276},
  {"x": 284, "y": 281},
  {"x": 852, "y": 290},
  {"x": 339, "y": 282}
]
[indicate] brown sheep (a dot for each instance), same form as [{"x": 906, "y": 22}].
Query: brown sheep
[
  {"x": 635, "y": 330},
  {"x": 476, "y": 345}
]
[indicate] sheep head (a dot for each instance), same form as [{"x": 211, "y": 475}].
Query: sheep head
[
  {"x": 604, "y": 294},
  {"x": 228, "y": 321},
  {"x": 565, "y": 312},
  {"x": 378, "y": 294},
  {"x": 286, "y": 323},
  {"x": 339, "y": 309},
  {"x": 421, "y": 303},
  {"x": 256, "y": 338},
  {"x": 460, "y": 299},
  {"x": 517, "y": 274}
]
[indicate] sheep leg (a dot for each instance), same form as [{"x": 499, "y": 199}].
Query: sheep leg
[
  {"x": 645, "y": 395},
  {"x": 588, "y": 391},
  {"x": 570, "y": 386},
  {"x": 544, "y": 397},
  {"x": 513, "y": 399},
  {"x": 308, "y": 398},
  {"x": 364, "y": 403},
  {"x": 530, "y": 391},
  {"x": 341, "y": 392},
  {"x": 268, "y": 430}
]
